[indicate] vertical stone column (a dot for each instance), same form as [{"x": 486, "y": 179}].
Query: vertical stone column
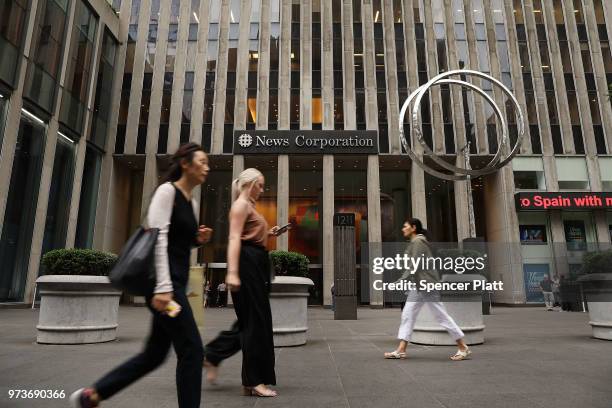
[
  {"x": 434, "y": 93},
  {"x": 561, "y": 267},
  {"x": 480, "y": 128},
  {"x": 306, "y": 65},
  {"x": 242, "y": 66},
  {"x": 460, "y": 187},
  {"x": 218, "y": 127},
  {"x": 327, "y": 83},
  {"x": 417, "y": 175},
  {"x": 393, "y": 103},
  {"x": 131, "y": 131},
  {"x": 284, "y": 106},
  {"x": 199, "y": 78},
  {"x": 603, "y": 229},
  {"x": 605, "y": 110},
  {"x": 538, "y": 80},
  {"x": 558, "y": 77},
  {"x": 516, "y": 72},
  {"x": 263, "y": 69},
  {"x": 107, "y": 196},
  {"x": 155, "y": 105},
  {"x": 502, "y": 231},
  {"x": 373, "y": 176},
  {"x": 583, "y": 98},
  {"x": 178, "y": 83},
  {"x": 328, "y": 226}
]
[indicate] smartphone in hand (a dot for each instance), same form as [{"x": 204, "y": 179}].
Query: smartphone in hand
[{"x": 283, "y": 229}]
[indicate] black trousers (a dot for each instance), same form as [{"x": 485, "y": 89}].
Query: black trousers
[
  {"x": 252, "y": 332},
  {"x": 252, "y": 307},
  {"x": 181, "y": 332},
  {"x": 225, "y": 345}
]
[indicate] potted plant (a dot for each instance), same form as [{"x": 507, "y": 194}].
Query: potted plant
[
  {"x": 78, "y": 305},
  {"x": 597, "y": 288},
  {"x": 289, "y": 297}
]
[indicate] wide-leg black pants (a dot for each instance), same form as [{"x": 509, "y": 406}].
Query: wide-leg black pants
[
  {"x": 181, "y": 332},
  {"x": 252, "y": 307}
]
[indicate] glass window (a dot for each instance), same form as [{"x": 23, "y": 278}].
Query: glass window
[
  {"x": 529, "y": 180},
  {"x": 46, "y": 55},
  {"x": 20, "y": 212},
  {"x": 216, "y": 202},
  {"x": 89, "y": 199},
  {"x": 60, "y": 193},
  {"x": 104, "y": 87},
  {"x": 215, "y": 11},
  {"x": 12, "y": 23},
  {"x": 441, "y": 216},
  {"x": 3, "y": 107},
  {"x": 76, "y": 85},
  {"x": 395, "y": 204}
]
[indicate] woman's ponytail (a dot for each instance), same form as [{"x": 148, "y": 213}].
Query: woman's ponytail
[
  {"x": 246, "y": 178},
  {"x": 235, "y": 189}
]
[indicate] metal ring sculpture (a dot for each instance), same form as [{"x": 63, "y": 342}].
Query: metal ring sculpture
[{"x": 459, "y": 173}]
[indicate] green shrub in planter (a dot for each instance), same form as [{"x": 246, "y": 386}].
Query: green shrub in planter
[
  {"x": 597, "y": 262},
  {"x": 285, "y": 263},
  {"x": 78, "y": 262}
]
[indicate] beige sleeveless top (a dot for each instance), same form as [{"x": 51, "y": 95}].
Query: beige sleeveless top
[{"x": 255, "y": 227}]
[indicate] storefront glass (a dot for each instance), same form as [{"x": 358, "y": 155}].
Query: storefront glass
[
  {"x": 60, "y": 192},
  {"x": 3, "y": 103},
  {"x": 395, "y": 203},
  {"x": 215, "y": 203},
  {"x": 441, "y": 216},
  {"x": 22, "y": 197},
  {"x": 266, "y": 205},
  {"x": 89, "y": 199},
  {"x": 305, "y": 207}
]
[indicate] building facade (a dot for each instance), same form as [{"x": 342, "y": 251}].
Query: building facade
[{"x": 90, "y": 113}]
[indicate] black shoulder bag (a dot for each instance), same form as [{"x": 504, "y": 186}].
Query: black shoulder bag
[{"x": 134, "y": 271}]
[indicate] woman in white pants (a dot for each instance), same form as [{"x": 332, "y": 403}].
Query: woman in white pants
[{"x": 417, "y": 247}]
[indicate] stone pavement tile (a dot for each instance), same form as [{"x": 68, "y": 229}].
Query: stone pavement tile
[
  {"x": 404, "y": 398},
  {"x": 467, "y": 399},
  {"x": 543, "y": 358},
  {"x": 313, "y": 401},
  {"x": 561, "y": 399}
]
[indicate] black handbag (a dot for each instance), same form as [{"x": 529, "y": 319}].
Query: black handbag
[{"x": 134, "y": 272}]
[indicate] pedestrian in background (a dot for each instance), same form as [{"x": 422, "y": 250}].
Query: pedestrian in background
[
  {"x": 222, "y": 295},
  {"x": 556, "y": 288},
  {"x": 549, "y": 298},
  {"x": 418, "y": 246}
]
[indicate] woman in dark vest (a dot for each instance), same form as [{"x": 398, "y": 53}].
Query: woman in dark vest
[{"x": 173, "y": 211}]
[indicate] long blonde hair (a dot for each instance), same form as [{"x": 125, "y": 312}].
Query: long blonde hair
[{"x": 244, "y": 180}]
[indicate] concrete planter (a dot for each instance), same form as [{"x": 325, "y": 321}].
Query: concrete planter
[
  {"x": 77, "y": 309},
  {"x": 464, "y": 307},
  {"x": 289, "y": 304},
  {"x": 597, "y": 289}
]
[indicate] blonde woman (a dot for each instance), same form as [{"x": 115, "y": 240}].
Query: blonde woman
[{"x": 248, "y": 279}]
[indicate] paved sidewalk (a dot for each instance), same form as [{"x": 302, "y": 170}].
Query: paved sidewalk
[{"x": 531, "y": 359}]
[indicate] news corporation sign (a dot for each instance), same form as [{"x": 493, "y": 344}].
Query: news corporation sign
[{"x": 305, "y": 142}]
